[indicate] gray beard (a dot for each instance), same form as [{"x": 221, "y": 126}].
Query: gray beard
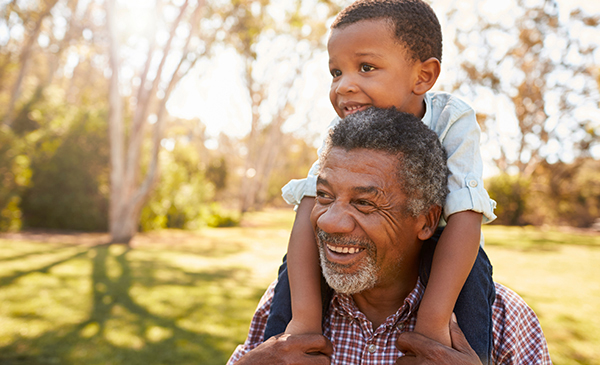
[{"x": 364, "y": 278}]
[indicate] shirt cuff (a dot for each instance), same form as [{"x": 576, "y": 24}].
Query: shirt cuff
[
  {"x": 471, "y": 197},
  {"x": 296, "y": 189}
]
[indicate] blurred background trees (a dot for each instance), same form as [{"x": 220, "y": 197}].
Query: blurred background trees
[
  {"x": 128, "y": 115},
  {"x": 532, "y": 72}
]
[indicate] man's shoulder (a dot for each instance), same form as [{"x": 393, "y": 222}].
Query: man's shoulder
[
  {"x": 518, "y": 335},
  {"x": 509, "y": 309},
  {"x": 507, "y": 297},
  {"x": 257, "y": 325}
]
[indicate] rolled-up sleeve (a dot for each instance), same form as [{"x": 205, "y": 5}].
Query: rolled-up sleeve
[
  {"x": 296, "y": 189},
  {"x": 460, "y": 137}
]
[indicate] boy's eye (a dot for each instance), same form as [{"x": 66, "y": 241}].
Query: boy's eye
[
  {"x": 336, "y": 73},
  {"x": 366, "y": 68}
]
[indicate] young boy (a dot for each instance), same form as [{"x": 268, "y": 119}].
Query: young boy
[{"x": 387, "y": 53}]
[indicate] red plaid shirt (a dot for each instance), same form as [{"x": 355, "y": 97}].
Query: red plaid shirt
[{"x": 518, "y": 336}]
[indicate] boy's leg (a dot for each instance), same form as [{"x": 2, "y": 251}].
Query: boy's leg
[
  {"x": 473, "y": 307},
  {"x": 281, "y": 306}
]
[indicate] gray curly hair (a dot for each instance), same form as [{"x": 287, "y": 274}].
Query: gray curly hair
[{"x": 422, "y": 169}]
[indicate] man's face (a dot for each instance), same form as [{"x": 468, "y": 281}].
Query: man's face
[
  {"x": 370, "y": 68},
  {"x": 365, "y": 239}
]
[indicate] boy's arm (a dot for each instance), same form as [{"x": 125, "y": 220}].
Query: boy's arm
[
  {"x": 304, "y": 273},
  {"x": 453, "y": 259}
]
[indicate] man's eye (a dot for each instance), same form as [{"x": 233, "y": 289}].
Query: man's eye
[
  {"x": 323, "y": 198},
  {"x": 336, "y": 73},
  {"x": 366, "y": 68},
  {"x": 364, "y": 206}
]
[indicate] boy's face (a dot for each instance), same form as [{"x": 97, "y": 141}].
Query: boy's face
[{"x": 371, "y": 68}]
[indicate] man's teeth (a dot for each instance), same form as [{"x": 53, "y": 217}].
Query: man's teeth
[
  {"x": 344, "y": 249},
  {"x": 351, "y": 108}
]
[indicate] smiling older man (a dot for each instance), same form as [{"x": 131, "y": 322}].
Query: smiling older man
[{"x": 379, "y": 195}]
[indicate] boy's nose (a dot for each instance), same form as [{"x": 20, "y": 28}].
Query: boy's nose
[
  {"x": 336, "y": 219},
  {"x": 346, "y": 85}
]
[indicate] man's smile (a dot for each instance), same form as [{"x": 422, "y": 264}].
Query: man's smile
[
  {"x": 343, "y": 251},
  {"x": 343, "y": 255}
]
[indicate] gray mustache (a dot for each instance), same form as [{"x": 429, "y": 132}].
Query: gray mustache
[{"x": 340, "y": 240}]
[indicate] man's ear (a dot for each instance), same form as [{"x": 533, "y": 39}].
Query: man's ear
[
  {"x": 429, "y": 71},
  {"x": 428, "y": 222}
]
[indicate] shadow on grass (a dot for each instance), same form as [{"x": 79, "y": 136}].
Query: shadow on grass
[
  {"x": 120, "y": 330},
  {"x": 35, "y": 253},
  {"x": 10, "y": 279}
]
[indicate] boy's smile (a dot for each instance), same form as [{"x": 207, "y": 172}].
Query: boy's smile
[{"x": 371, "y": 68}]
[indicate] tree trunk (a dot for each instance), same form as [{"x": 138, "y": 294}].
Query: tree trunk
[
  {"x": 128, "y": 195},
  {"x": 253, "y": 145},
  {"x": 118, "y": 221},
  {"x": 24, "y": 60}
]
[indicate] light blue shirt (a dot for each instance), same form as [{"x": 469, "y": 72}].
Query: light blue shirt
[{"x": 453, "y": 120}]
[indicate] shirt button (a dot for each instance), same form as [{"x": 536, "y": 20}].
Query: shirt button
[
  {"x": 400, "y": 326},
  {"x": 473, "y": 183},
  {"x": 372, "y": 348}
]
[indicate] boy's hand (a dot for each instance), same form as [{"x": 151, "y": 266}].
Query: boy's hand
[{"x": 296, "y": 327}]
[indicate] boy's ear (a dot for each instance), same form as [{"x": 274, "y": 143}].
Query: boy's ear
[
  {"x": 429, "y": 71},
  {"x": 428, "y": 222}
]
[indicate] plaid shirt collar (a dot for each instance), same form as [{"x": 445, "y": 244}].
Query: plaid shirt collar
[{"x": 345, "y": 306}]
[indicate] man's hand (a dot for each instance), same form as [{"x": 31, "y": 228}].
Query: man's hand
[
  {"x": 309, "y": 349},
  {"x": 419, "y": 349}
]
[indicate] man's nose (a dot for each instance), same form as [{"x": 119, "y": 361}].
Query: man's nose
[{"x": 337, "y": 219}]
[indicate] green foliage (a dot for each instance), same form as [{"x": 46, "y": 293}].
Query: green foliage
[
  {"x": 511, "y": 194},
  {"x": 556, "y": 194},
  {"x": 180, "y": 198},
  {"x": 567, "y": 194},
  {"x": 70, "y": 173},
  {"x": 217, "y": 173},
  {"x": 218, "y": 217},
  {"x": 15, "y": 175}
]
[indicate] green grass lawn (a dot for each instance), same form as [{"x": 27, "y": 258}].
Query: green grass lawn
[
  {"x": 179, "y": 297},
  {"x": 558, "y": 275}
]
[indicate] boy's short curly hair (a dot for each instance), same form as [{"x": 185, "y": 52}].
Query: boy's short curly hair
[{"x": 415, "y": 24}]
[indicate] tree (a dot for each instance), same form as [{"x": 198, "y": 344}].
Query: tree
[
  {"x": 274, "y": 52},
  {"x": 536, "y": 68},
  {"x": 68, "y": 182},
  {"x": 566, "y": 194},
  {"x": 25, "y": 57},
  {"x": 175, "y": 57}
]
